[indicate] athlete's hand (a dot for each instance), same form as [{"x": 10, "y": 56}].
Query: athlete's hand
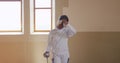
[
  {"x": 60, "y": 25},
  {"x": 46, "y": 54}
]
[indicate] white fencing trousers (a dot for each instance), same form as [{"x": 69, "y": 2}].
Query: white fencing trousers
[{"x": 62, "y": 58}]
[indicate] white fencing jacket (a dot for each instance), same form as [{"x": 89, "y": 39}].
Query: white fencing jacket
[{"x": 58, "y": 40}]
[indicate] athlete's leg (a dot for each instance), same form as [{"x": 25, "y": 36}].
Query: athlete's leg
[
  {"x": 56, "y": 59},
  {"x": 64, "y": 59}
]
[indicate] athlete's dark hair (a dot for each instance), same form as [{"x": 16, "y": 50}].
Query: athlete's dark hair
[{"x": 64, "y": 17}]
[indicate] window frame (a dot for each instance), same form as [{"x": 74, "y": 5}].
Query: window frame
[
  {"x": 21, "y": 31},
  {"x": 33, "y": 25}
]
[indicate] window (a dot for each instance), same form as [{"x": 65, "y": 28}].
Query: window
[
  {"x": 11, "y": 16},
  {"x": 42, "y": 16}
]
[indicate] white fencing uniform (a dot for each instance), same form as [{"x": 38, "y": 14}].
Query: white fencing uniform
[{"x": 58, "y": 43}]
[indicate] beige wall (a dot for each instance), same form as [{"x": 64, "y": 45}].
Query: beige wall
[
  {"x": 94, "y": 15},
  {"x": 85, "y": 47},
  {"x": 95, "y": 47}
]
